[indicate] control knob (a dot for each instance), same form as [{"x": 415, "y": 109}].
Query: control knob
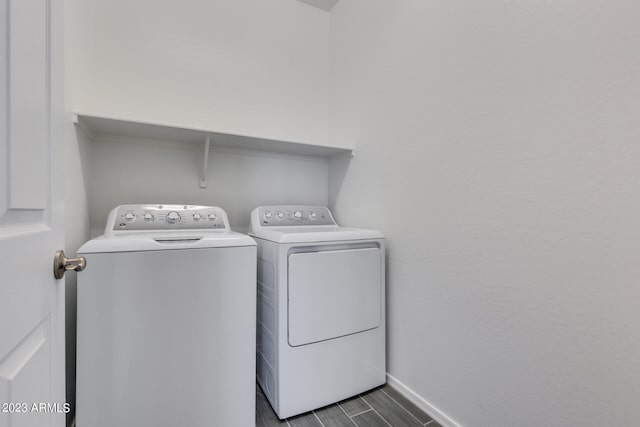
[
  {"x": 173, "y": 217},
  {"x": 212, "y": 216},
  {"x": 147, "y": 217},
  {"x": 280, "y": 215},
  {"x": 268, "y": 215},
  {"x": 297, "y": 214},
  {"x": 197, "y": 217},
  {"x": 129, "y": 216},
  {"x": 313, "y": 215}
]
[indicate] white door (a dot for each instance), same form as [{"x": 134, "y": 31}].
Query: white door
[{"x": 31, "y": 216}]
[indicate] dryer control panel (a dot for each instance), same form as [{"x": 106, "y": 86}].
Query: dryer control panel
[
  {"x": 292, "y": 215},
  {"x": 166, "y": 218}
]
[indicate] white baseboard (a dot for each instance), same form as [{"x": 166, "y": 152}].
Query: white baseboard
[{"x": 421, "y": 403}]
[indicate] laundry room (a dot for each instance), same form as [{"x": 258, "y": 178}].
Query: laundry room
[{"x": 319, "y": 213}]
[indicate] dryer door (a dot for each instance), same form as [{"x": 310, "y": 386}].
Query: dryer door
[{"x": 334, "y": 293}]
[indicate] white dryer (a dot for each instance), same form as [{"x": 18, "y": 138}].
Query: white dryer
[
  {"x": 166, "y": 321},
  {"x": 321, "y": 308}
]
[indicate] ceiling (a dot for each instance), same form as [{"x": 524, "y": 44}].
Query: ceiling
[{"x": 321, "y": 4}]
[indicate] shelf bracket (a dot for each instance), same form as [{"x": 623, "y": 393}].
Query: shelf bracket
[{"x": 205, "y": 163}]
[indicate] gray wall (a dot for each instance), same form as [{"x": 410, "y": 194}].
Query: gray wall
[{"x": 497, "y": 148}]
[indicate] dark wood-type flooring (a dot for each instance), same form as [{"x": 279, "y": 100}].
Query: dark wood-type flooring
[{"x": 382, "y": 406}]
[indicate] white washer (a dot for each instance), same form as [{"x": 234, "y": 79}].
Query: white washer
[
  {"x": 321, "y": 308},
  {"x": 166, "y": 321}
]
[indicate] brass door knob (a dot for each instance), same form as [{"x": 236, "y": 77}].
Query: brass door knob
[{"x": 62, "y": 264}]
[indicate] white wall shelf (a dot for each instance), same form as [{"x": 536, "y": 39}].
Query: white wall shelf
[{"x": 97, "y": 126}]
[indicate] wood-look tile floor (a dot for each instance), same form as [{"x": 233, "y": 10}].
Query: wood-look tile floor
[{"x": 382, "y": 406}]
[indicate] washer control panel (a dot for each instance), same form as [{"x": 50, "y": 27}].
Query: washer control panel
[
  {"x": 294, "y": 215},
  {"x": 167, "y": 217}
]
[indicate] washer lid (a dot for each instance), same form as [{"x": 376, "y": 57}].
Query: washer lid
[{"x": 137, "y": 242}]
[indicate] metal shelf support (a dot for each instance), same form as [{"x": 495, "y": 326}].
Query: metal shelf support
[{"x": 205, "y": 163}]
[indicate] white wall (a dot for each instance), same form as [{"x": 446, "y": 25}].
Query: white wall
[
  {"x": 244, "y": 66},
  {"x": 139, "y": 171},
  {"x": 497, "y": 148}
]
